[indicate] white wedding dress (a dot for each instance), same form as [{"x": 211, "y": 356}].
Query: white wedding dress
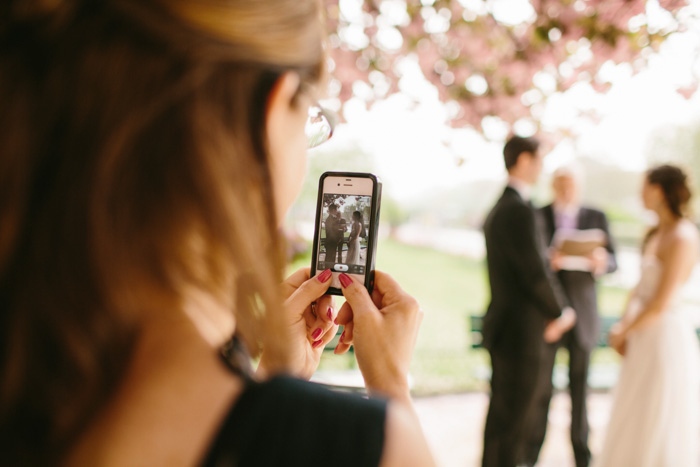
[
  {"x": 655, "y": 418},
  {"x": 353, "y": 256}
]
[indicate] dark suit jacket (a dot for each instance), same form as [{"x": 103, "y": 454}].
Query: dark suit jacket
[
  {"x": 579, "y": 286},
  {"x": 523, "y": 291}
]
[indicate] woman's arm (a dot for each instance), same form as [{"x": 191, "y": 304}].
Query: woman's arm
[
  {"x": 616, "y": 336},
  {"x": 383, "y": 328},
  {"x": 404, "y": 441},
  {"x": 627, "y": 314},
  {"x": 354, "y": 231}
]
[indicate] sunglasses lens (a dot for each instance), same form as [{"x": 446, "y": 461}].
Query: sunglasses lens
[{"x": 318, "y": 129}]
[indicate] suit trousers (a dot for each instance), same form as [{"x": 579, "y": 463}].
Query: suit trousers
[
  {"x": 332, "y": 250},
  {"x": 514, "y": 381},
  {"x": 579, "y": 360}
]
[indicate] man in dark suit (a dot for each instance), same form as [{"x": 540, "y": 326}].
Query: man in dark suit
[
  {"x": 578, "y": 279},
  {"x": 525, "y": 309},
  {"x": 335, "y": 228}
]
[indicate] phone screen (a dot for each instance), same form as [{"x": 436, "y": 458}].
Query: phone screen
[{"x": 346, "y": 217}]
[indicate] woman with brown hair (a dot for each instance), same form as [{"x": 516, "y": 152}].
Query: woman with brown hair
[
  {"x": 655, "y": 417},
  {"x": 353, "y": 256},
  {"x": 150, "y": 150}
]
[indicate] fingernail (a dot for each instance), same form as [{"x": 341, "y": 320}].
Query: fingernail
[
  {"x": 330, "y": 313},
  {"x": 316, "y": 333},
  {"x": 317, "y": 343},
  {"x": 345, "y": 280},
  {"x": 342, "y": 336},
  {"x": 324, "y": 276}
]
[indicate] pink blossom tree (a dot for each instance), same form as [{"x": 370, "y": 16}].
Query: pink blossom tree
[{"x": 493, "y": 57}]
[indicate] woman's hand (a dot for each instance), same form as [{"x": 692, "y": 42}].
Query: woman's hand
[
  {"x": 383, "y": 328},
  {"x": 617, "y": 338},
  {"x": 310, "y": 315}
]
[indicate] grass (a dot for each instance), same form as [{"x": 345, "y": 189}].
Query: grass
[{"x": 449, "y": 289}]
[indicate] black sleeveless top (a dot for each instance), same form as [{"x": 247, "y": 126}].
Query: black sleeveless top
[{"x": 289, "y": 422}]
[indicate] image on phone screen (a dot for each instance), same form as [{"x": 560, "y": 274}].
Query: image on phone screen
[
  {"x": 344, "y": 230},
  {"x": 347, "y": 212},
  {"x": 345, "y": 223}
]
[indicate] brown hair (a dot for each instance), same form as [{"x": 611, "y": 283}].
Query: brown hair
[
  {"x": 133, "y": 170},
  {"x": 515, "y": 147},
  {"x": 675, "y": 187}
]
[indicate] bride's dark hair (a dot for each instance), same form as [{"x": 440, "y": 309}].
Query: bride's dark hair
[{"x": 675, "y": 186}]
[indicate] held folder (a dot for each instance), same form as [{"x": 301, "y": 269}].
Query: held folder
[
  {"x": 576, "y": 245},
  {"x": 578, "y": 242}
]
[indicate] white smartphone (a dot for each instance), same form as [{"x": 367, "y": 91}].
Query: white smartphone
[{"x": 347, "y": 221}]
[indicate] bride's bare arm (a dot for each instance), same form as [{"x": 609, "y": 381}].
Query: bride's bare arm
[
  {"x": 355, "y": 231},
  {"x": 627, "y": 316}
]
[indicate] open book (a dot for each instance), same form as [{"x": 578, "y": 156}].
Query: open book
[
  {"x": 578, "y": 242},
  {"x": 576, "y": 245}
]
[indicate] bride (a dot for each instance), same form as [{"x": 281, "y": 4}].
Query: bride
[
  {"x": 353, "y": 256},
  {"x": 655, "y": 418}
]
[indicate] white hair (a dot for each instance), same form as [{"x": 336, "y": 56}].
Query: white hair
[{"x": 574, "y": 171}]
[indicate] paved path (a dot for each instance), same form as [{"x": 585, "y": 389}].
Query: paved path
[{"x": 454, "y": 427}]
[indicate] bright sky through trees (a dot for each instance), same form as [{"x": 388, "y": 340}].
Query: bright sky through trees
[{"x": 415, "y": 149}]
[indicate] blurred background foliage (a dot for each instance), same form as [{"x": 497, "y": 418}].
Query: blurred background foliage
[{"x": 485, "y": 69}]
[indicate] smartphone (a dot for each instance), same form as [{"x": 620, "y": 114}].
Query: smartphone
[{"x": 347, "y": 220}]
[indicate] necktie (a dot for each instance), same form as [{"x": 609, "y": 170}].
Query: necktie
[{"x": 566, "y": 221}]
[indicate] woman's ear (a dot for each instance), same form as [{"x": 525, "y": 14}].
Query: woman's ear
[
  {"x": 280, "y": 103},
  {"x": 285, "y": 120}
]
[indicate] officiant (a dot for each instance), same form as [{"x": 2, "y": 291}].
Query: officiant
[{"x": 567, "y": 218}]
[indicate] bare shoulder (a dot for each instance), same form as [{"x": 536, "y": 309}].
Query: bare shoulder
[
  {"x": 681, "y": 242},
  {"x": 687, "y": 233},
  {"x": 405, "y": 443}
]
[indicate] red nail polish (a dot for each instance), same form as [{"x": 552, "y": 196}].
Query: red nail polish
[
  {"x": 330, "y": 313},
  {"x": 317, "y": 343},
  {"x": 324, "y": 276},
  {"x": 345, "y": 280},
  {"x": 342, "y": 336},
  {"x": 316, "y": 333}
]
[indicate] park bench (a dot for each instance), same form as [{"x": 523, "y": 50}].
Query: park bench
[
  {"x": 601, "y": 376},
  {"x": 476, "y": 322},
  {"x": 606, "y": 322}
]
